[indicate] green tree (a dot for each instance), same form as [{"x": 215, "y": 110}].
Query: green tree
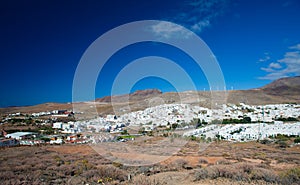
[
  {"x": 247, "y": 120},
  {"x": 174, "y": 126},
  {"x": 124, "y": 132},
  {"x": 297, "y": 140}
]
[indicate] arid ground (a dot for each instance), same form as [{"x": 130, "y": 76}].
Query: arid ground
[{"x": 264, "y": 162}]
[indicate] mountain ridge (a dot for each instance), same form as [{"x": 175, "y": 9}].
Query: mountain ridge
[
  {"x": 283, "y": 90},
  {"x": 288, "y": 85}
]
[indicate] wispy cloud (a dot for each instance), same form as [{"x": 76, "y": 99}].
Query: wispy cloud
[
  {"x": 289, "y": 65},
  {"x": 198, "y": 27},
  {"x": 296, "y": 47},
  {"x": 275, "y": 65},
  {"x": 195, "y": 15},
  {"x": 272, "y": 67},
  {"x": 168, "y": 30},
  {"x": 265, "y": 58}
]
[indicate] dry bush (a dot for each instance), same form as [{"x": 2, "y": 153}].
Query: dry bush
[
  {"x": 36, "y": 165},
  {"x": 97, "y": 159},
  {"x": 92, "y": 175},
  {"x": 238, "y": 172},
  {"x": 12, "y": 181},
  {"x": 6, "y": 175},
  {"x": 205, "y": 173},
  {"x": 179, "y": 164},
  {"x": 223, "y": 161},
  {"x": 23, "y": 168},
  {"x": 291, "y": 176},
  {"x": 144, "y": 170},
  {"x": 263, "y": 174},
  {"x": 41, "y": 166},
  {"x": 75, "y": 180},
  {"x": 288, "y": 159},
  {"x": 112, "y": 172},
  {"x": 203, "y": 161},
  {"x": 117, "y": 164},
  {"x": 66, "y": 170},
  {"x": 162, "y": 167},
  {"x": 144, "y": 180}
]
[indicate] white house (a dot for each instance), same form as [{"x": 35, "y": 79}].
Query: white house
[
  {"x": 21, "y": 135},
  {"x": 57, "y": 125}
]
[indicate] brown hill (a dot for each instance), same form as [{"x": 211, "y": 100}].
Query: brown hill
[
  {"x": 284, "y": 86},
  {"x": 285, "y": 90},
  {"x": 37, "y": 108},
  {"x": 137, "y": 95}
]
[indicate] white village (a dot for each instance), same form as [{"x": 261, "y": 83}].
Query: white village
[
  {"x": 238, "y": 123},
  {"x": 263, "y": 121}
]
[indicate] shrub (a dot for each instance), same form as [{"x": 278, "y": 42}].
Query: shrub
[
  {"x": 205, "y": 173},
  {"x": 6, "y": 175},
  {"x": 223, "y": 161},
  {"x": 282, "y": 144},
  {"x": 238, "y": 172},
  {"x": 117, "y": 164},
  {"x": 91, "y": 174},
  {"x": 65, "y": 170},
  {"x": 263, "y": 174},
  {"x": 265, "y": 141},
  {"x": 144, "y": 169},
  {"x": 216, "y": 121},
  {"x": 179, "y": 164},
  {"x": 203, "y": 161},
  {"x": 144, "y": 180},
  {"x": 113, "y": 172},
  {"x": 291, "y": 176},
  {"x": 297, "y": 140},
  {"x": 282, "y": 137}
]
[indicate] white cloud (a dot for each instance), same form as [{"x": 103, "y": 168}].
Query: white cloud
[
  {"x": 198, "y": 27},
  {"x": 265, "y": 58},
  {"x": 273, "y": 76},
  {"x": 272, "y": 67},
  {"x": 275, "y": 65},
  {"x": 268, "y": 70},
  {"x": 292, "y": 54},
  {"x": 297, "y": 47},
  {"x": 287, "y": 66},
  {"x": 167, "y": 30},
  {"x": 195, "y": 15}
]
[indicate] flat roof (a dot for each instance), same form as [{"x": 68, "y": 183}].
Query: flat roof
[{"x": 19, "y": 134}]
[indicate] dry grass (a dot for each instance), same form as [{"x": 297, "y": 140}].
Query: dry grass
[
  {"x": 75, "y": 164},
  {"x": 38, "y": 165},
  {"x": 144, "y": 180},
  {"x": 238, "y": 172},
  {"x": 248, "y": 173}
]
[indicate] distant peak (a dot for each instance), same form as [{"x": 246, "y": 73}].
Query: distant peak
[
  {"x": 283, "y": 86},
  {"x": 139, "y": 94},
  {"x": 146, "y": 92},
  {"x": 287, "y": 81}
]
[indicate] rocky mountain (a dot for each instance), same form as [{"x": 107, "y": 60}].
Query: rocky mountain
[
  {"x": 283, "y": 86},
  {"x": 283, "y": 90}
]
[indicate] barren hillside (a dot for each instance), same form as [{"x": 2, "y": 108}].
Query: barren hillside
[{"x": 285, "y": 90}]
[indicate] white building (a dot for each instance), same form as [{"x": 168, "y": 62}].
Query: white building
[
  {"x": 21, "y": 135},
  {"x": 57, "y": 125}
]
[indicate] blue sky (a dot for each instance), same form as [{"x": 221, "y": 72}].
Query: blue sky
[{"x": 42, "y": 43}]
